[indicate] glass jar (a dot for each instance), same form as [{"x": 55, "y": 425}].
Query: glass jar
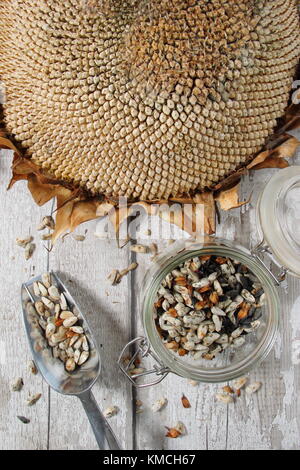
[{"x": 280, "y": 235}]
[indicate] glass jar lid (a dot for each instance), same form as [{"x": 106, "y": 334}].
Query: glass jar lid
[{"x": 279, "y": 217}]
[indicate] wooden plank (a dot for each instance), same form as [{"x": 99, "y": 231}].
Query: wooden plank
[
  {"x": 18, "y": 220},
  {"x": 84, "y": 266}
]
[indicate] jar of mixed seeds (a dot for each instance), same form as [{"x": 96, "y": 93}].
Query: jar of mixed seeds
[{"x": 211, "y": 308}]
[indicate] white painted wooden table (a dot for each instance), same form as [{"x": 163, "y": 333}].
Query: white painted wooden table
[{"x": 267, "y": 420}]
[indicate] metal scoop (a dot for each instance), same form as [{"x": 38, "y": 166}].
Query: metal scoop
[{"x": 81, "y": 380}]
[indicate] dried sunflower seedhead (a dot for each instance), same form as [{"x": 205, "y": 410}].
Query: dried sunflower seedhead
[{"x": 148, "y": 99}]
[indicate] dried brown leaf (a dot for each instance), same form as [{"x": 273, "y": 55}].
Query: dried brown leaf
[{"x": 229, "y": 199}]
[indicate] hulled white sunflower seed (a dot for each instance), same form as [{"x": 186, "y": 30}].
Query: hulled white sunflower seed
[
  {"x": 70, "y": 322},
  {"x": 36, "y": 289},
  {"x": 54, "y": 293},
  {"x": 85, "y": 344},
  {"x": 46, "y": 278},
  {"x": 63, "y": 302},
  {"x": 48, "y": 303},
  {"x": 43, "y": 290},
  {"x": 77, "y": 329},
  {"x": 70, "y": 365},
  {"x": 83, "y": 357},
  {"x": 50, "y": 330}
]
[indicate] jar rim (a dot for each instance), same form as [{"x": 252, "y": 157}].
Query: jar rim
[
  {"x": 273, "y": 218},
  {"x": 217, "y": 246}
]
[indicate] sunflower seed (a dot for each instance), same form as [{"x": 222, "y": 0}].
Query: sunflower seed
[
  {"x": 139, "y": 249},
  {"x": 83, "y": 357},
  {"x": 23, "y": 419},
  {"x": 54, "y": 293},
  {"x": 63, "y": 302},
  {"x": 48, "y": 303},
  {"x": 76, "y": 355},
  {"x": 70, "y": 321}
]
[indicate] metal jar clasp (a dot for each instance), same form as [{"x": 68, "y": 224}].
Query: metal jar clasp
[
  {"x": 261, "y": 249},
  {"x": 143, "y": 350}
]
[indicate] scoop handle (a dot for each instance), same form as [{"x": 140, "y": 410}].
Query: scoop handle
[{"x": 103, "y": 433}]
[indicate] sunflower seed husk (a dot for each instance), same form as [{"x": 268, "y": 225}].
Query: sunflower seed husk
[
  {"x": 32, "y": 367},
  {"x": 253, "y": 388},
  {"x": 223, "y": 398},
  {"x": 29, "y": 250},
  {"x": 47, "y": 222},
  {"x": 31, "y": 400},
  {"x": 139, "y": 249},
  {"x": 17, "y": 385},
  {"x": 159, "y": 404},
  {"x": 23, "y": 419},
  {"x": 23, "y": 242},
  {"x": 111, "y": 411},
  {"x": 238, "y": 384}
]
